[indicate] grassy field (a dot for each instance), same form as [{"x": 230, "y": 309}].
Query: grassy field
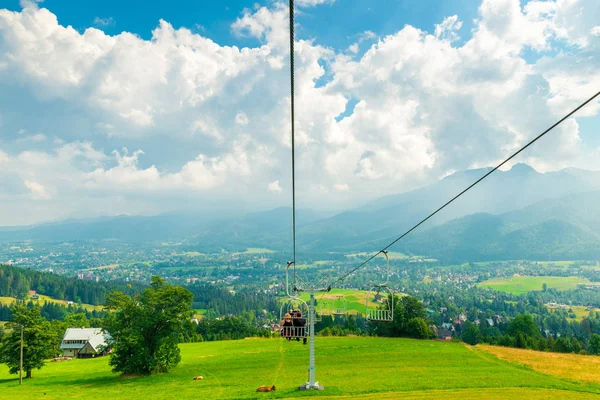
[
  {"x": 365, "y": 368},
  {"x": 393, "y": 255},
  {"x": 355, "y": 300},
  {"x": 6, "y": 300},
  {"x": 563, "y": 264},
  {"x": 103, "y": 267},
  {"x": 258, "y": 250},
  {"x": 43, "y": 299},
  {"x": 524, "y": 284},
  {"x": 580, "y": 312}
]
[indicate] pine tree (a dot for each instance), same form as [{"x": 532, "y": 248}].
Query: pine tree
[{"x": 594, "y": 345}]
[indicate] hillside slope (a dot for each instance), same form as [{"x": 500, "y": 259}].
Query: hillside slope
[
  {"x": 501, "y": 192},
  {"x": 518, "y": 213},
  {"x": 566, "y": 228},
  {"x": 357, "y": 366}
]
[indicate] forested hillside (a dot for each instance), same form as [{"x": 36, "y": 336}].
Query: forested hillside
[
  {"x": 213, "y": 299},
  {"x": 558, "y": 229},
  {"x": 16, "y": 282},
  {"x": 217, "y": 300}
]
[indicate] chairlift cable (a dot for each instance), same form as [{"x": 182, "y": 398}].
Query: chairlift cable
[
  {"x": 291, "y": 9},
  {"x": 468, "y": 188}
]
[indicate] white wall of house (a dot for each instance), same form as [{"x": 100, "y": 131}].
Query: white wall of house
[{"x": 69, "y": 353}]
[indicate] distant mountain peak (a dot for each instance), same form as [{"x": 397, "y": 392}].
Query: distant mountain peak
[
  {"x": 477, "y": 172},
  {"x": 522, "y": 168}
]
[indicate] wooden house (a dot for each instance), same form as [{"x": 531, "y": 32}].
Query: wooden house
[{"x": 85, "y": 343}]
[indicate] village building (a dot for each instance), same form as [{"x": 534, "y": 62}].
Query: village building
[
  {"x": 85, "y": 343},
  {"x": 444, "y": 334}
]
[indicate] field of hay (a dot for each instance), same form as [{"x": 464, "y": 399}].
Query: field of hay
[{"x": 571, "y": 366}]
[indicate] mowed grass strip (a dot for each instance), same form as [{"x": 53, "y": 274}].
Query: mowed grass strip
[
  {"x": 349, "y": 366},
  {"x": 570, "y": 366},
  {"x": 524, "y": 284}
]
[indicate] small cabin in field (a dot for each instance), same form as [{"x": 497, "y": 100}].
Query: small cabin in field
[{"x": 85, "y": 343}]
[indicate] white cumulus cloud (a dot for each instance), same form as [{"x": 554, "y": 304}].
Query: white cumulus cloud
[
  {"x": 206, "y": 121},
  {"x": 38, "y": 191},
  {"x": 275, "y": 187}
]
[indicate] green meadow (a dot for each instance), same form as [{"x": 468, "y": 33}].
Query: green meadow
[
  {"x": 6, "y": 300},
  {"x": 258, "y": 250},
  {"x": 46, "y": 299},
  {"x": 524, "y": 284},
  {"x": 355, "y": 300},
  {"x": 358, "y": 367},
  {"x": 580, "y": 312},
  {"x": 393, "y": 255}
]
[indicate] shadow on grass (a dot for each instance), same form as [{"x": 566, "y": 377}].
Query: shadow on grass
[{"x": 98, "y": 382}]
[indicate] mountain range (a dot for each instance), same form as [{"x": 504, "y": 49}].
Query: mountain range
[{"x": 519, "y": 213}]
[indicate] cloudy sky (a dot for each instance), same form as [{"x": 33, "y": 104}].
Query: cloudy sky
[{"x": 106, "y": 109}]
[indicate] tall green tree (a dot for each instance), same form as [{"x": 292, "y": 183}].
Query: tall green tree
[
  {"x": 77, "y": 321},
  {"x": 38, "y": 340},
  {"x": 146, "y": 328},
  {"x": 594, "y": 344},
  {"x": 472, "y": 335},
  {"x": 417, "y": 328},
  {"x": 523, "y": 324},
  {"x": 409, "y": 319}
]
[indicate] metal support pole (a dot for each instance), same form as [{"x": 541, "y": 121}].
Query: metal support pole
[
  {"x": 21, "y": 361},
  {"x": 312, "y": 384}
]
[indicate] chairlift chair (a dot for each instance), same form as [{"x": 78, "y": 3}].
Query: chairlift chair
[
  {"x": 324, "y": 307},
  {"x": 384, "y": 311},
  {"x": 297, "y": 309},
  {"x": 340, "y": 305}
]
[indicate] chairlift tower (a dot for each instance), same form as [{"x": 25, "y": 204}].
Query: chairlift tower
[
  {"x": 298, "y": 331},
  {"x": 312, "y": 383}
]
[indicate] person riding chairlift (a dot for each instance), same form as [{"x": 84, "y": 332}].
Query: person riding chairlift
[
  {"x": 286, "y": 329},
  {"x": 300, "y": 324}
]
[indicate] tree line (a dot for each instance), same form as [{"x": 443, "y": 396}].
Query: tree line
[
  {"x": 52, "y": 311},
  {"x": 145, "y": 330},
  {"x": 17, "y": 282},
  {"x": 219, "y": 301},
  {"x": 523, "y": 332}
]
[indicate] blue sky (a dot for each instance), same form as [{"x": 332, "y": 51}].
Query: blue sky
[
  {"x": 336, "y": 25},
  {"x": 102, "y": 122}
]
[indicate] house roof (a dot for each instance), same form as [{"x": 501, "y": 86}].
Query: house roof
[
  {"x": 96, "y": 337},
  {"x": 444, "y": 332}
]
